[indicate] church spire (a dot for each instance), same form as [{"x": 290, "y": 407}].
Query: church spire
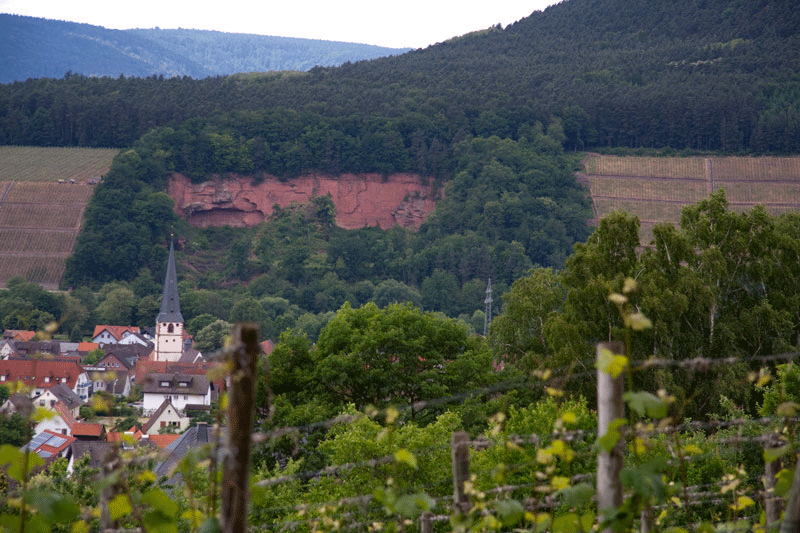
[{"x": 170, "y": 304}]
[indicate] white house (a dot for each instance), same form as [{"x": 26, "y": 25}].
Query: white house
[
  {"x": 180, "y": 389},
  {"x": 166, "y": 417}
]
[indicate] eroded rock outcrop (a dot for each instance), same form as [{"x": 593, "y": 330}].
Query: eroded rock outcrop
[{"x": 361, "y": 200}]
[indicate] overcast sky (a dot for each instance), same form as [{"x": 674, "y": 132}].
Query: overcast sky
[{"x": 406, "y": 24}]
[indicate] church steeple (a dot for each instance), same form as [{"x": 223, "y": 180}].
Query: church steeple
[
  {"x": 170, "y": 303},
  {"x": 169, "y": 322}
]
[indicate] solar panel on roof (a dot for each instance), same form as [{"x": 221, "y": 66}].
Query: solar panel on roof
[
  {"x": 55, "y": 442},
  {"x": 44, "y": 454},
  {"x": 38, "y": 440}
]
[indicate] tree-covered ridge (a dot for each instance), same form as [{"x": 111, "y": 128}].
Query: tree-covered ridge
[
  {"x": 513, "y": 204},
  {"x": 704, "y": 75},
  {"x": 42, "y": 48}
]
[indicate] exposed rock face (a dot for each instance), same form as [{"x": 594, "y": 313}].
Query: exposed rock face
[{"x": 360, "y": 200}]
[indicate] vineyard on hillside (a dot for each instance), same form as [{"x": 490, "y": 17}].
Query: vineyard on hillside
[
  {"x": 655, "y": 189},
  {"x": 32, "y": 163},
  {"x": 43, "y": 195}
]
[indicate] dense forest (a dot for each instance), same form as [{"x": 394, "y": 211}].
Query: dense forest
[{"x": 712, "y": 75}]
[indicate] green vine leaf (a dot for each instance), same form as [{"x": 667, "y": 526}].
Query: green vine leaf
[
  {"x": 406, "y": 457},
  {"x": 772, "y": 454},
  {"x": 646, "y": 404},
  {"x": 611, "y": 363},
  {"x": 119, "y": 507},
  {"x": 611, "y": 438},
  {"x": 510, "y": 512}
]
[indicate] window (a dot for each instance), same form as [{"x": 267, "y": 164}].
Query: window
[{"x": 170, "y": 328}]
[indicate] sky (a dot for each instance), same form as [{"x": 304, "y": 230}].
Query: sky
[{"x": 406, "y": 24}]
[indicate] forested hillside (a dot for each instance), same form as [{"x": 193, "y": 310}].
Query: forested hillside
[
  {"x": 493, "y": 117},
  {"x": 714, "y": 75},
  {"x": 41, "y": 48}
]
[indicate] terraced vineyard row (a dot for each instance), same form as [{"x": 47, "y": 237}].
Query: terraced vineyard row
[
  {"x": 33, "y": 191},
  {"x": 656, "y": 189},
  {"x": 666, "y": 167},
  {"x": 47, "y": 271},
  {"x": 43, "y": 216},
  {"x": 36, "y": 241}
]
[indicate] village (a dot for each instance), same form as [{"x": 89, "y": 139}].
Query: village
[{"x": 155, "y": 373}]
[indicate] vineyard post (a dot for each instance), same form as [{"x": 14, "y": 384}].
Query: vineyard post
[
  {"x": 460, "y": 455},
  {"x": 426, "y": 522},
  {"x": 241, "y": 400},
  {"x": 791, "y": 519},
  {"x": 772, "y": 504},
  {"x": 610, "y": 407}
]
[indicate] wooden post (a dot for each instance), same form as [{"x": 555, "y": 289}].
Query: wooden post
[
  {"x": 791, "y": 519},
  {"x": 426, "y": 522},
  {"x": 772, "y": 504},
  {"x": 460, "y": 455},
  {"x": 241, "y": 400},
  {"x": 610, "y": 407}
]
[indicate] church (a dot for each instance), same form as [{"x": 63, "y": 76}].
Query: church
[{"x": 172, "y": 343}]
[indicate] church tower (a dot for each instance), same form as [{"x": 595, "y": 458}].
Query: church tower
[{"x": 169, "y": 323}]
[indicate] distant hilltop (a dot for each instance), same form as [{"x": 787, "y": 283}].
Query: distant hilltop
[{"x": 40, "y": 48}]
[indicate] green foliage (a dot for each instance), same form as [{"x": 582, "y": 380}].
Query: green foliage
[{"x": 372, "y": 356}]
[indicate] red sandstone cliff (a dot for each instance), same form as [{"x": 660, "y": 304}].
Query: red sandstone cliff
[{"x": 361, "y": 200}]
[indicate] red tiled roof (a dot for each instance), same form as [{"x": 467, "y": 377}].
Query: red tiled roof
[
  {"x": 134, "y": 432},
  {"x": 115, "y": 331},
  {"x": 19, "y": 334},
  {"x": 41, "y": 373},
  {"x": 87, "y": 346},
  {"x": 85, "y": 429},
  {"x": 65, "y": 413},
  {"x": 267, "y": 346},
  {"x": 162, "y": 441}
]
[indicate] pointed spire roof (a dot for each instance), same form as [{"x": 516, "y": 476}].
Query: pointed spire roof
[{"x": 170, "y": 303}]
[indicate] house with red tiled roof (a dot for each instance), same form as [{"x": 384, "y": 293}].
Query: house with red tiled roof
[
  {"x": 86, "y": 347},
  {"x": 18, "y": 335},
  {"x": 88, "y": 431},
  {"x": 59, "y": 419},
  {"x": 49, "y": 445},
  {"x": 40, "y": 374},
  {"x": 162, "y": 441},
  {"x": 106, "y": 334}
]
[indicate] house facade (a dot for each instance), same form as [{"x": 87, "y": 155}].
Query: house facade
[
  {"x": 107, "y": 334},
  {"x": 39, "y": 375},
  {"x": 180, "y": 389},
  {"x": 166, "y": 417}
]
